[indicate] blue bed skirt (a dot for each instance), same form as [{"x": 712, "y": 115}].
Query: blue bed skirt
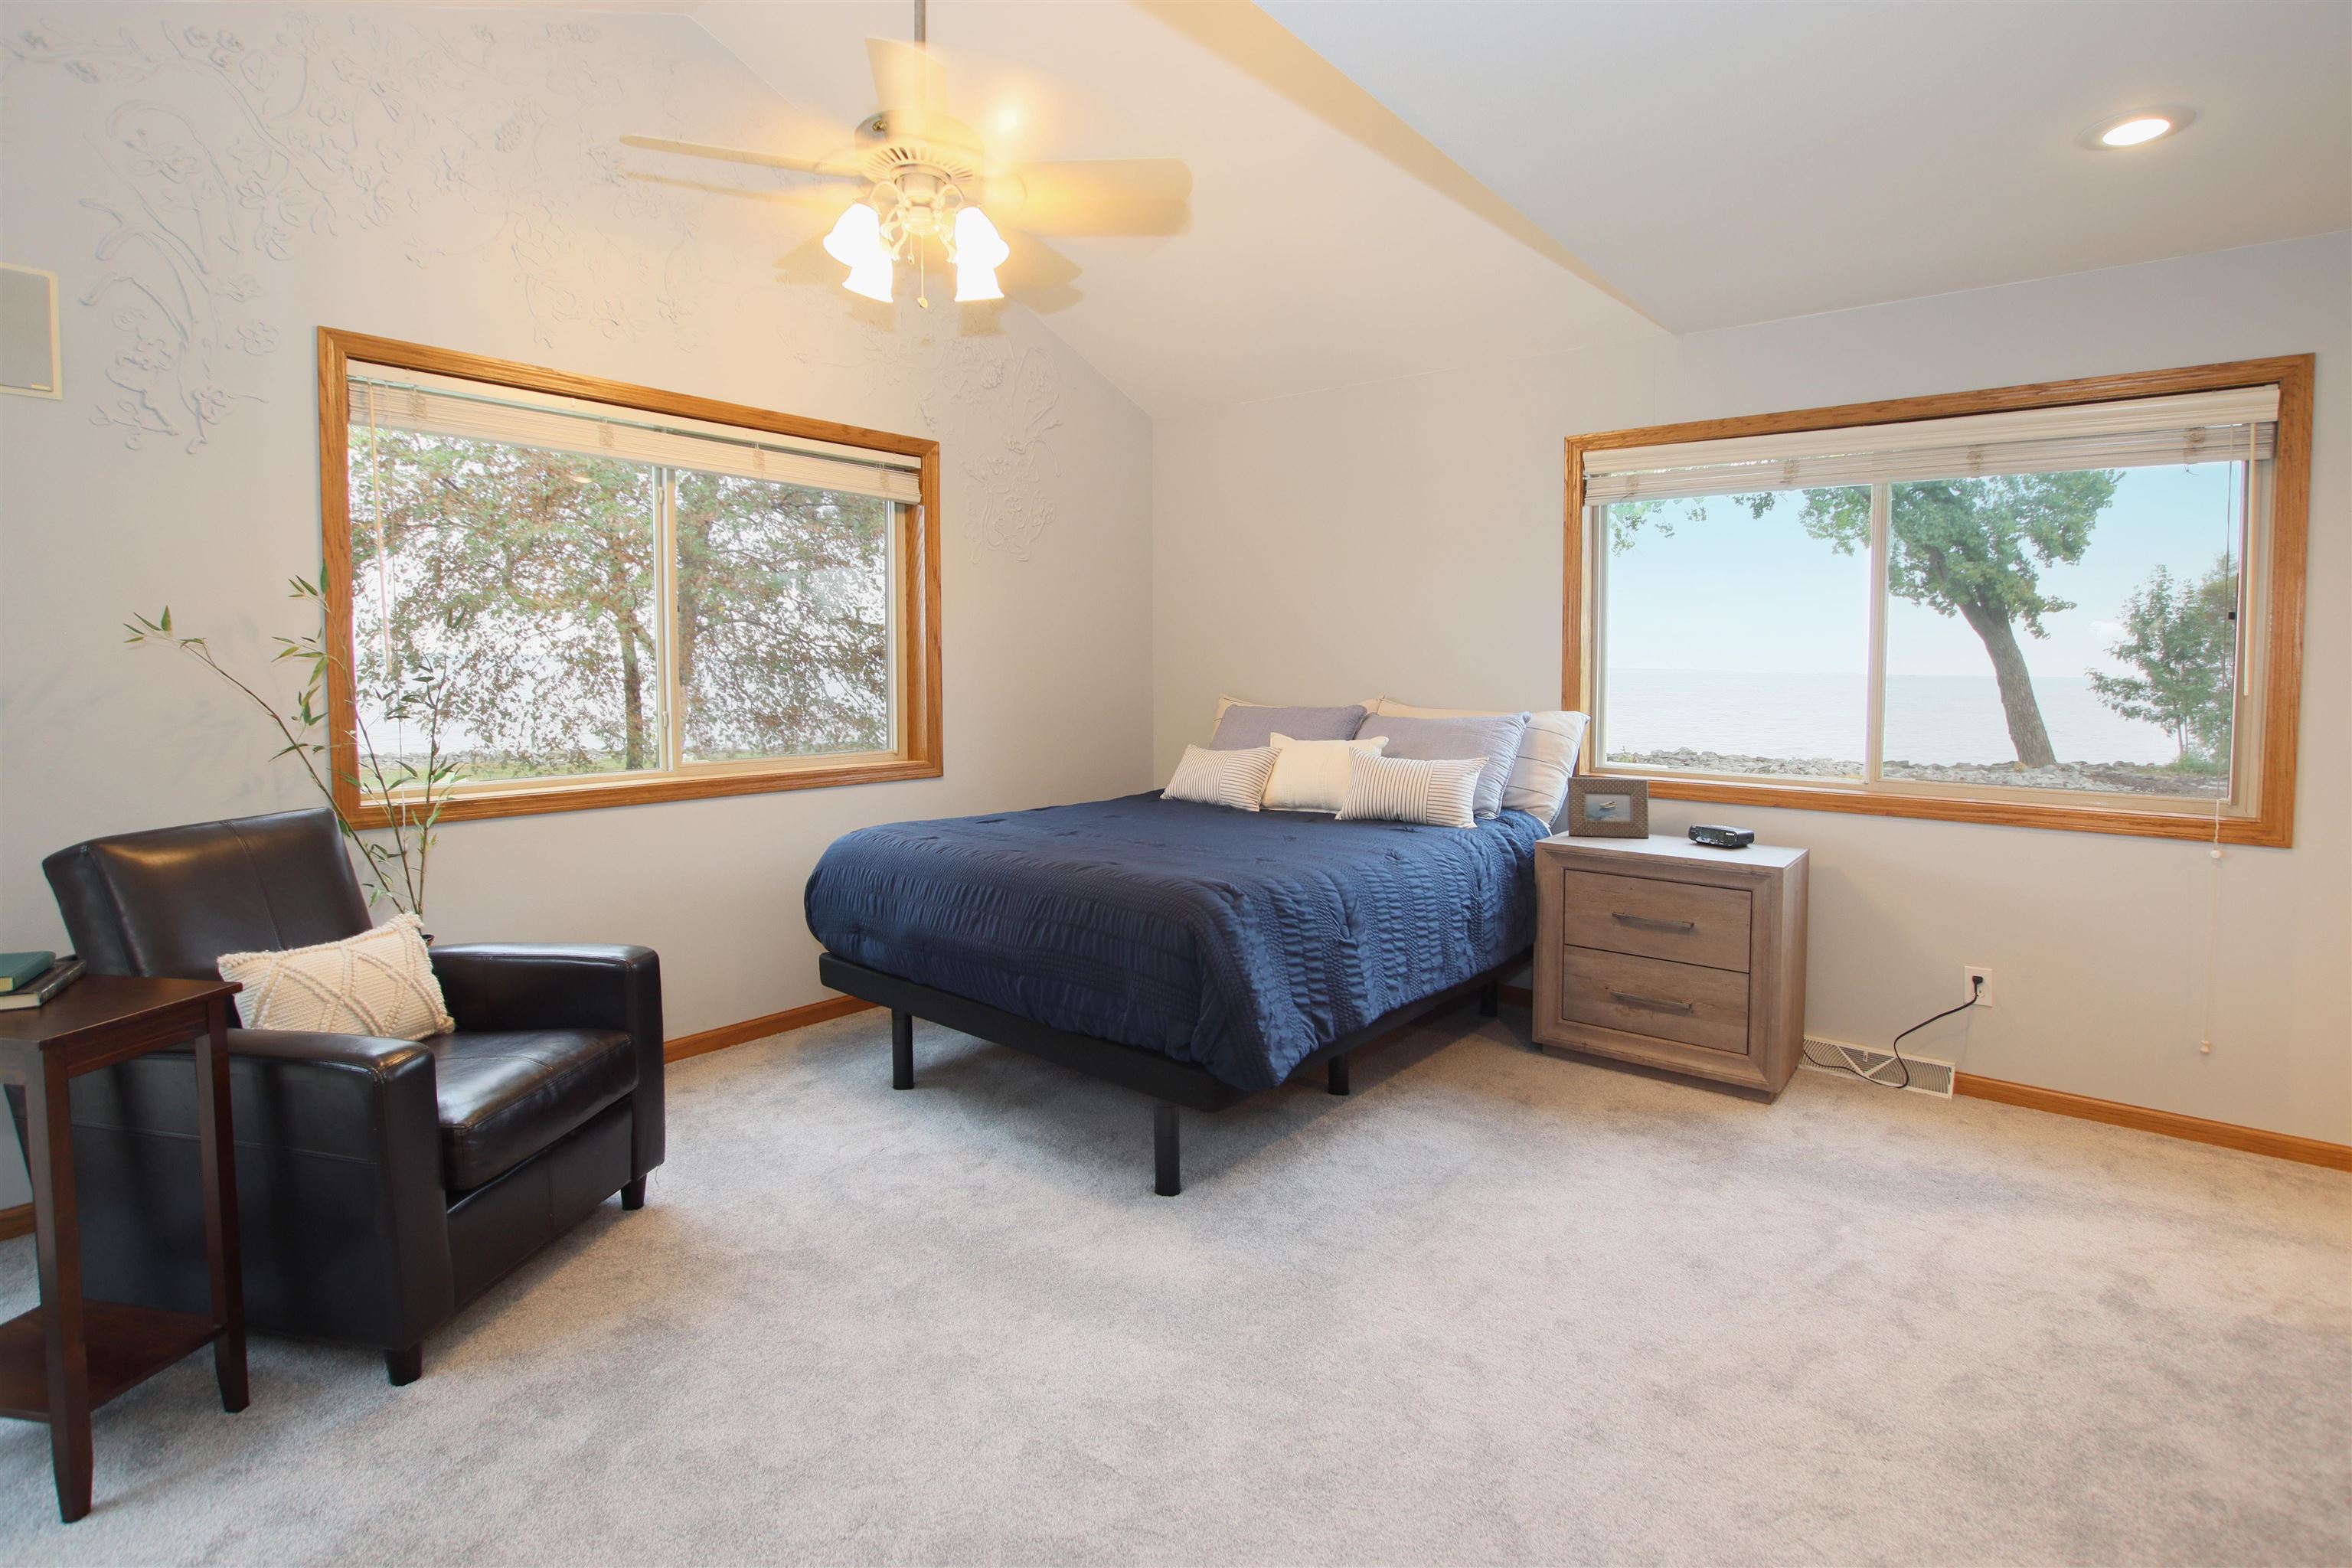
[{"x": 1241, "y": 940}]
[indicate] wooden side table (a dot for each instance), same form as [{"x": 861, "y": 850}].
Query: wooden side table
[
  {"x": 68, "y": 1357},
  {"x": 1663, "y": 951}
]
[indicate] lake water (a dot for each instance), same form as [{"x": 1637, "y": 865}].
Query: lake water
[{"x": 1930, "y": 718}]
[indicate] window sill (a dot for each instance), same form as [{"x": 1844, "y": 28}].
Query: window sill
[
  {"x": 2140, "y": 821},
  {"x": 592, "y": 795}
]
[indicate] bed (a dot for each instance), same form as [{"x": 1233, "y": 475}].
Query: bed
[{"x": 1198, "y": 953}]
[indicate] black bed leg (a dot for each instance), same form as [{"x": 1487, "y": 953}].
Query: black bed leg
[
  {"x": 902, "y": 1049},
  {"x": 1490, "y": 999},
  {"x": 1167, "y": 1166},
  {"x": 1338, "y": 1068}
]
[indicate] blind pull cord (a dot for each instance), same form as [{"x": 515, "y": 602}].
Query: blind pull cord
[{"x": 2232, "y": 551}]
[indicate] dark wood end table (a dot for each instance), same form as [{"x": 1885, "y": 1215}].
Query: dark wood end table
[{"x": 68, "y": 1357}]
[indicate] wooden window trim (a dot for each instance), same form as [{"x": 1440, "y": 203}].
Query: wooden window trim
[
  {"x": 2271, "y": 823},
  {"x": 919, "y": 754}
]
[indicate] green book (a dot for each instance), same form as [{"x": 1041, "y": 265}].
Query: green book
[{"x": 23, "y": 968}]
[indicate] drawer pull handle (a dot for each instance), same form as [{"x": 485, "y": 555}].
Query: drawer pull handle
[
  {"x": 1649, "y": 923},
  {"x": 1654, "y": 1003}
]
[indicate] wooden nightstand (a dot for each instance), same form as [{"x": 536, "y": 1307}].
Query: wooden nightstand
[{"x": 1658, "y": 950}]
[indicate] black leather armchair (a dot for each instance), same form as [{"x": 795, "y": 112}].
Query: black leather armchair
[{"x": 382, "y": 1185}]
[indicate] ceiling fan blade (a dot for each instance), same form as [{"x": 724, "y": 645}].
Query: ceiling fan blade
[
  {"x": 1036, "y": 274},
  {"x": 814, "y": 197},
  {"x": 743, "y": 155},
  {"x": 1096, "y": 197},
  {"x": 908, "y": 83}
]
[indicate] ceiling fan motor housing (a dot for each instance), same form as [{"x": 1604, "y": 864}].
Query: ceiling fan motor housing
[{"x": 918, "y": 188}]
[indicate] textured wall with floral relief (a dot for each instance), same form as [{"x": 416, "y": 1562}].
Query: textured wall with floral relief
[{"x": 212, "y": 183}]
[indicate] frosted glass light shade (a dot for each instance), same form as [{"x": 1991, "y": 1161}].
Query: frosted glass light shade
[
  {"x": 976, "y": 283},
  {"x": 872, "y": 278},
  {"x": 979, "y": 250},
  {"x": 857, "y": 243}
]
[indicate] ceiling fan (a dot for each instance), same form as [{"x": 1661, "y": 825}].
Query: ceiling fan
[{"x": 931, "y": 183}]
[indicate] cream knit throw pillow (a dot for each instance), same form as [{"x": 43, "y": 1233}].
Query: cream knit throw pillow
[
  {"x": 378, "y": 982},
  {"x": 1312, "y": 775}
]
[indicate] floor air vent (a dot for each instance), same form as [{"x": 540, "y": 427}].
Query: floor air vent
[{"x": 1928, "y": 1075}]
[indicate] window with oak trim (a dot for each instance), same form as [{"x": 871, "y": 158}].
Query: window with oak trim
[
  {"x": 611, "y": 594},
  {"x": 2072, "y": 605}
]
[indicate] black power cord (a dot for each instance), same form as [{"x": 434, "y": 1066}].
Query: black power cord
[{"x": 1976, "y": 995}]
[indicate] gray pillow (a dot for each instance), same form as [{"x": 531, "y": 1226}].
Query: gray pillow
[
  {"x": 1245, "y": 727},
  {"x": 1497, "y": 739}
]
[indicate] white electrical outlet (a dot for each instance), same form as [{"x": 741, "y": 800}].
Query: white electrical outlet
[{"x": 1970, "y": 976}]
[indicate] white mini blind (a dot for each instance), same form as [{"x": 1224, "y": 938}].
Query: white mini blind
[
  {"x": 437, "y": 405},
  {"x": 2194, "y": 428}
]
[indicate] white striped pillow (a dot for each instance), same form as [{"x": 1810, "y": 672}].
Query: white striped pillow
[
  {"x": 1221, "y": 778},
  {"x": 1400, "y": 789},
  {"x": 1547, "y": 759}
]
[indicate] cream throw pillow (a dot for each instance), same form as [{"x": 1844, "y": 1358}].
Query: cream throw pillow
[
  {"x": 1221, "y": 778},
  {"x": 1547, "y": 759},
  {"x": 1312, "y": 775},
  {"x": 378, "y": 982}
]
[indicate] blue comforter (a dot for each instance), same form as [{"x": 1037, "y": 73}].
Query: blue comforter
[{"x": 1242, "y": 940}]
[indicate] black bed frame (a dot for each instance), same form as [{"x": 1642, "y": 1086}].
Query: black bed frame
[{"x": 1169, "y": 1082}]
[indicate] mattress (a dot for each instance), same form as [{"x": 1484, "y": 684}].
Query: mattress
[{"x": 1240, "y": 941}]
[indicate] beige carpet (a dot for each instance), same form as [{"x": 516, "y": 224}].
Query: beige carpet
[{"x": 1494, "y": 1308}]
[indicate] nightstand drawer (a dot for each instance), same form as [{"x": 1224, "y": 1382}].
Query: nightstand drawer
[
  {"x": 1651, "y": 918},
  {"x": 1686, "y": 1001}
]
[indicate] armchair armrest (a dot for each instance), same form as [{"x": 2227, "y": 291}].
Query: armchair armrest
[
  {"x": 338, "y": 1095},
  {"x": 338, "y": 1165},
  {"x": 352, "y": 1129},
  {"x": 567, "y": 985}
]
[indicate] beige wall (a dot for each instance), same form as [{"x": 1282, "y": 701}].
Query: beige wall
[
  {"x": 455, "y": 178},
  {"x": 1405, "y": 538}
]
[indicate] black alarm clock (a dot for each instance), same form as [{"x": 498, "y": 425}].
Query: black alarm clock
[{"x": 1722, "y": 837}]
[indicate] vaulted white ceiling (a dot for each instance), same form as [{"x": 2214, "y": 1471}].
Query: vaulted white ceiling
[
  {"x": 1310, "y": 258},
  {"x": 1387, "y": 187},
  {"x": 1722, "y": 162}
]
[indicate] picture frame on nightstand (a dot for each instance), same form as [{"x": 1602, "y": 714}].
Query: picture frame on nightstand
[{"x": 1608, "y": 808}]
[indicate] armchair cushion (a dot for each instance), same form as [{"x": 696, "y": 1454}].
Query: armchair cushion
[
  {"x": 505, "y": 1095},
  {"x": 568, "y": 985}
]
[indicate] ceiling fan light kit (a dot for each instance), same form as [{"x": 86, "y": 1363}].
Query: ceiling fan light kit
[
  {"x": 925, "y": 173},
  {"x": 916, "y": 199}
]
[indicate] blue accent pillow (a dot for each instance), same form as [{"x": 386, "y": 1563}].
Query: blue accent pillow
[
  {"x": 1243, "y": 727},
  {"x": 1494, "y": 738}
]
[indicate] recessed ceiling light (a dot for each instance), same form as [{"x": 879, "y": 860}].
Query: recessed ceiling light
[
  {"x": 2132, "y": 133},
  {"x": 2136, "y": 130}
]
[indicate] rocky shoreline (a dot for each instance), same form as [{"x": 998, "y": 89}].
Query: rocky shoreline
[{"x": 2104, "y": 778}]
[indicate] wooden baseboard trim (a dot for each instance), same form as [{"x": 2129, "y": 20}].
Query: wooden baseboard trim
[
  {"x": 18, "y": 1221},
  {"x": 2171, "y": 1123},
  {"x": 727, "y": 1035},
  {"x": 15, "y": 1222}
]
